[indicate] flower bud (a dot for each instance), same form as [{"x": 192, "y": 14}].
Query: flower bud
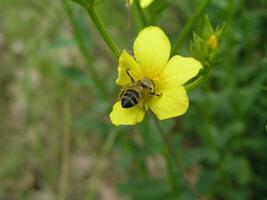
[
  {"x": 213, "y": 42},
  {"x": 143, "y": 3},
  {"x": 205, "y": 47}
]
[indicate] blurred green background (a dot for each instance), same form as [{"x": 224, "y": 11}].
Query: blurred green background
[{"x": 56, "y": 141}]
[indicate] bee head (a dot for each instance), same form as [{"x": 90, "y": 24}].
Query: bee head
[{"x": 147, "y": 84}]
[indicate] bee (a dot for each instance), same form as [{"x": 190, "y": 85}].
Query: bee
[{"x": 138, "y": 92}]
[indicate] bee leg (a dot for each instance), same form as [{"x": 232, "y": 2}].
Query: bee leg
[
  {"x": 155, "y": 94},
  {"x": 144, "y": 108},
  {"x": 120, "y": 95},
  {"x": 130, "y": 76},
  {"x": 143, "y": 104}
]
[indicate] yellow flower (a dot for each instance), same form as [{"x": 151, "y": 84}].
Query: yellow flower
[
  {"x": 143, "y": 3},
  {"x": 152, "y": 51},
  {"x": 213, "y": 42}
]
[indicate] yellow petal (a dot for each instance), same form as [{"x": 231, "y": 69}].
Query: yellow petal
[
  {"x": 178, "y": 70},
  {"x": 152, "y": 50},
  {"x": 126, "y": 116},
  {"x": 127, "y": 62},
  {"x": 143, "y": 3},
  {"x": 172, "y": 103}
]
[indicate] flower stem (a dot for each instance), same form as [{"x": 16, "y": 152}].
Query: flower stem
[
  {"x": 171, "y": 172},
  {"x": 99, "y": 164},
  {"x": 197, "y": 83},
  {"x": 141, "y": 13},
  {"x": 102, "y": 30},
  {"x": 84, "y": 51},
  {"x": 179, "y": 40},
  {"x": 64, "y": 176},
  {"x": 176, "y": 161}
]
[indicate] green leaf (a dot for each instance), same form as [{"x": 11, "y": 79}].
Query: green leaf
[
  {"x": 84, "y": 3},
  {"x": 207, "y": 181},
  {"x": 82, "y": 31},
  {"x": 62, "y": 43},
  {"x": 158, "y": 6},
  {"x": 150, "y": 135},
  {"x": 238, "y": 168},
  {"x": 196, "y": 155},
  {"x": 264, "y": 88},
  {"x": 254, "y": 144},
  {"x": 146, "y": 189},
  {"x": 76, "y": 75},
  {"x": 93, "y": 124}
]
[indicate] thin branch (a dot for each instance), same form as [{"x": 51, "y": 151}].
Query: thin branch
[
  {"x": 175, "y": 159},
  {"x": 102, "y": 30},
  {"x": 99, "y": 164},
  {"x": 81, "y": 44},
  {"x": 180, "y": 38},
  {"x": 129, "y": 24},
  {"x": 64, "y": 177},
  {"x": 141, "y": 13},
  {"x": 197, "y": 83}
]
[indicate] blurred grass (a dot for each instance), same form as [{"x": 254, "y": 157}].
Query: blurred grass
[{"x": 221, "y": 141}]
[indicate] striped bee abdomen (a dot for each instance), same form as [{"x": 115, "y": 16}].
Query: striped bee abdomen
[{"x": 129, "y": 98}]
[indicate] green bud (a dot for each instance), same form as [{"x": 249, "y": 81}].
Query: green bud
[
  {"x": 198, "y": 48},
  {"x": 220, "y": 30},
  {"x": 205, "y": 47},
  {"x": 207, "y": 30}
]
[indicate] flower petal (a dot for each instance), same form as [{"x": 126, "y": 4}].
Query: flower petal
[
  {"x": 172, "y": 103},
  {"x": 179, "y": 69},
  {"x": 127, "y": 62},
  {"x": 126, "y": 116},
  {"x": 152, "y": 50}
]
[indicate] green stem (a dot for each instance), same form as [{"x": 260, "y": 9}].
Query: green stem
[
  {"x": 197, "y": 83},
  {"x": 64, "y": 177},
  {"x": 180, "y": 38},
  {"x": 171, "y": 172},
  {"x": 102, "y": 30},
  {"x": 141, "y": 13},
  {"x": 176, "y": 160},
  {"x": 82, "y": 47},
  {"x": 99, "y": 164}
]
